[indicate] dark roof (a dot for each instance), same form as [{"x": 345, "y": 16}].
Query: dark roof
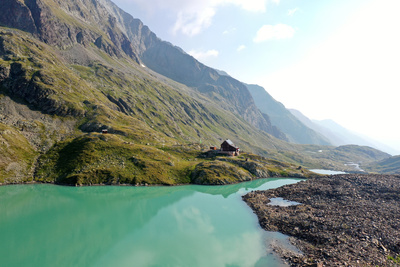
[
  {"x": 228, "y": 145},
  {"x": 229, "y": 142}
]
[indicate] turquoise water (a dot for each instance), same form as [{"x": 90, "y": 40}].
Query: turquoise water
[{"x": 48, "y": 225}]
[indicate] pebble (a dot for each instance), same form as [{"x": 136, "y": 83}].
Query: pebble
[{"x": 360, "y": 223}]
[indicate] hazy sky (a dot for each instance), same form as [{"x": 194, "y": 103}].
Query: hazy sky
[{"x": 330, "y": 59}]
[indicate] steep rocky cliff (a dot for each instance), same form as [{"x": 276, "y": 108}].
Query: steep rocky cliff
[
  {"x": 66, "y": 23},
  {"x": 174, "y": 63}
]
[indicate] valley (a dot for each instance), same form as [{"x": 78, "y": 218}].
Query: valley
[
  {"x": 58, "y": 90},
  {"x": 89, "y": 96}
]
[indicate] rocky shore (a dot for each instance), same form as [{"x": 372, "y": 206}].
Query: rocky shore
[{"x": 344, "y": 220}]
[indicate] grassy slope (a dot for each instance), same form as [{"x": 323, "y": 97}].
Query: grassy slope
[
  {"x": 126, "y": 100},
  {"x": 42, "y": 70},
  {"x": 96, "y": 159},
  {"x": 150, "y": 105},
  {"x": 17, "y": 158},
  {"x": 137, "y": 107},
  {"x": 330, "y": 157},
  {"x": 390, "y": 165},
  {"x": 111, "y": 159}
]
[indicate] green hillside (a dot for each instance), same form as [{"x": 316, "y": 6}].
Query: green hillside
[
  {"x": 389, "y": 165},
  {"x": 65, "y": 76},
  {"x": 131, "y": 104}
]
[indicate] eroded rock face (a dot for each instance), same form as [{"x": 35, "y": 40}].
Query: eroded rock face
[
  {"x": 64, "y": 24},
  {"x": 40, "y": 130},
  {"x": 344, "y": 220},
  {"x": 31, "y": 90},
  {"x": 174, "y": 63},
  {"x": 15, "y": 14}
]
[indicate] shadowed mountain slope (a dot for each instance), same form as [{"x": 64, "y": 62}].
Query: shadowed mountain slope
[
  {"x": 172, "y": 62},
  {"x": 281, "y": 117}
]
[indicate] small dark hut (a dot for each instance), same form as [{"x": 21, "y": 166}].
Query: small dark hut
[
  {"x": 104, "y": 131},
  {"x": 227, "y": 147}
]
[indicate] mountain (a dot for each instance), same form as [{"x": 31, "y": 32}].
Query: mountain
[
  {"x": 172, "y": 62},
  {"x": 325, "y": 131},
  {"x": 73, "y": 68},
  {"x": 68, "y": 68},
  {"x": 349, "y": 137},
  {"x": 281, "y": 118},
  {"x": 73, "y": 26},
  {"x": 337, "y": 134}
]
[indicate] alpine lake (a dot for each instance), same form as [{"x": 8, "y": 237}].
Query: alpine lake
[{"x": 50, "y": 225}]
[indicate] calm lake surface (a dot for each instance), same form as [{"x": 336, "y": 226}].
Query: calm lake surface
[{"x": 48, "y": 225}]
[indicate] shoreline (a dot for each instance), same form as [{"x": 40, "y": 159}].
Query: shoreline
[
  {"x": 344, "y": 220},
  {"x": 88, "y": 185},
  {"x": 149, "y": 185}
]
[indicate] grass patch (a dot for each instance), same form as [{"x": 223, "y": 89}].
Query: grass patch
[
  {"x": 16, "y": 156},
  {"x": 108, "y": 159}
]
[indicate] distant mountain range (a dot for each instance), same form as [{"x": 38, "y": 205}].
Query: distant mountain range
[
  {"x": 282, "y": 118},
  {"x": 337, "y": 134},
  {"x": 70, "y": 69}
]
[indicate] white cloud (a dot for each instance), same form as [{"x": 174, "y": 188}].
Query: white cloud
[
  {"x": 201, "y": 55},
  {"x": 240, "y": 48},
  {"x": 229, "y": 31},
  {"x": 192, "y": 23},
  {"x": 292, "y": 11},
  {"x": 250, "y": 5},
  {"x": 193, "y": 16},
  {"x": 351, "y": 77},
  {"x": 274, "y": 32}
]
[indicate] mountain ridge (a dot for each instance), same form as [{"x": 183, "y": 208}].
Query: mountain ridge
[
  {"x": 90, "y": 79},
  {"x": 172, "y": 62},
  {"x": 280, "y": 117},
  {"x": 338, "y": 134}
]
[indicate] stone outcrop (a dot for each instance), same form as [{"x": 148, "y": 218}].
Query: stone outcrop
[
  {"x": 29, "y": 81},
  {"x": 228, "y": 170},
  {"x": 15, "y": 14},
  {"x": 218, "y": 173}
]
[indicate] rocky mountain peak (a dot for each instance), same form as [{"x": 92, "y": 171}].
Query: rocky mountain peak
[{"x": 65, "y": 24}]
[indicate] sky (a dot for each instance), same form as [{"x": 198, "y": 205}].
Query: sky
[{"x": 336, "y": 60}]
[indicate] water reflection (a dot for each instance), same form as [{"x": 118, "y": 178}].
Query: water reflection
[
  {"x": 45, "y": 225},
  {"x": 227, "y": 190}
]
